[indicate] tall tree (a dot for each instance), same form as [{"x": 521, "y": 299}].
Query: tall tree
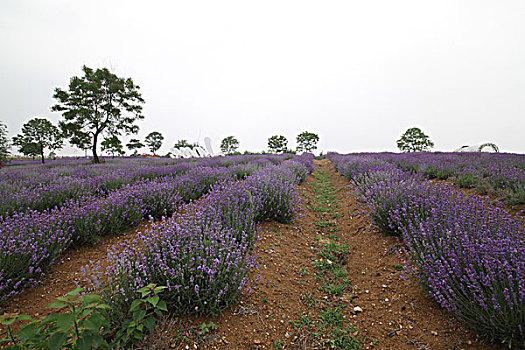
[
  {"x": 97, "y": 102},
  {"x": 113, "y": 145},
  {"x": 4, "y": 143},
  {"x": 277, "y": 144},
  {"x": 229, "y": 145},
  {"x": 306, "y": 141},
  {"x": 134, "y": 145},
  {"x": 82, "y": 141},
  {"x": 154, "y": 141},
  {"x": 414, "y": 140},
  {"x": 38, "y": 133}
]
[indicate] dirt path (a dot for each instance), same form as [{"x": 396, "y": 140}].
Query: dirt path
[{"x": 328, "y": 279}]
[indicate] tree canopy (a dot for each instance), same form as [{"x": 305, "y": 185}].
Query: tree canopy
[
  {"x": 4, "y": 143},
  {"x": 277, "y": 144},
  {"x": 229, "y": 145},
  {"x": 29, "y": 149},
  {"x": 112, "y": 145},
  {"x": 154, "y": 141},
  {"x": 184, "y": 143},
  {"x": 37, "y": 134},
  {"x": 414, "y": 140},
  {"x": 98, "y": 102},
  {"x": 306, "y": 142},
  {"x": 81, "y": 141},
  {"x": 134, "y": 145}
]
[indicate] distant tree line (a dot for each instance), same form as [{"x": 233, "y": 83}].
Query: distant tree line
[
  {"x": 100, "y": 107},
  {"x": 306, "y": 142}
]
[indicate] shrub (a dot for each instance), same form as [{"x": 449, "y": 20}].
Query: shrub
[
  {"x": 274, "y": 193},
  {"x": 203, "y": 254},
  {"x": 83, "y": 323},
  {"x": 471, "y": 256}
]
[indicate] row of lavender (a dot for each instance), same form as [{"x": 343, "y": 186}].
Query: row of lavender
[
  {"x": 204, "y": 252},
  {"x": 501, "y": 175},
  {"x": 30, "y": 240},
  {"x": 469, "y": 253},
  {"x": 41, "y": 187}
]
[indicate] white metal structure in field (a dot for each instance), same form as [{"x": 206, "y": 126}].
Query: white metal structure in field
[
  {"x": 484, "y": 147},
  {"x": 195, "y": 152}
]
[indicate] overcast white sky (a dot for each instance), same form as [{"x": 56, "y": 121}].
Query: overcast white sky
[{"x": 358, "y": 73}]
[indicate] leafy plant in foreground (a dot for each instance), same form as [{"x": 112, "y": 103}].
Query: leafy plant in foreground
[{"x": 83, "y": 323}]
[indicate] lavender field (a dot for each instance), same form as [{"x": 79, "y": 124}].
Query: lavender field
[
  {"x": 469, "y": 251},
  {"x": 501, "y": 175},
  {"x": 48, "y": 209}
]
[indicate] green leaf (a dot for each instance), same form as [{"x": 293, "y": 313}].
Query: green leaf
[
  {"x": 28, "y": 332},
  {"x": 57, "y": 305},
  {"x": 98, "y": 340},
  {"x": 95, "y": 322},
  {"x": 9, "y": 321},
  {"x": 103, "y": 306},
  {"x": 146, "y": 290},
  {"x": 162, "y": 306},
  {"x": 139, "y": 315},
  {"x": 149, "y": 323},
  {"x": 49, "y": 319},
  {"x": 24, "y": 318},
  {"x": 84, "y": 343},
  {"x": 65, "y": 322},
  {"x": 57, "y": 340},
  {"x": 153, "y": 300},
  {"x": 135, "y": 304},
  {"x": 85, "y": 313},
  {"x": 74, "y": 292},
  {"x": 159, "y": 289},
  {"x": 91, "y": 299}
]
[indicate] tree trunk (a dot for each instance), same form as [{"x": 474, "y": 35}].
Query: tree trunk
[
  {"x": 42, "y": 153},
  {"x": 95, "y": 156}
]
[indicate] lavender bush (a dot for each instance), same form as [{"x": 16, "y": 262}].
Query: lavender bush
[
  {"x": 122, "y": 194},
  {"x": 30, "y": 241},
  {"x": 471, "y": 256},
  {"x": 469, "y": 253},
  {"x": 203, "y": 266},
  {"x": 395, "y": 202},
  {"x": 203, "y": 254},
  {"x": 40, "y": 187},
  {"x": 274, "y": 194},
  {"x": 501, "y": 175}
]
